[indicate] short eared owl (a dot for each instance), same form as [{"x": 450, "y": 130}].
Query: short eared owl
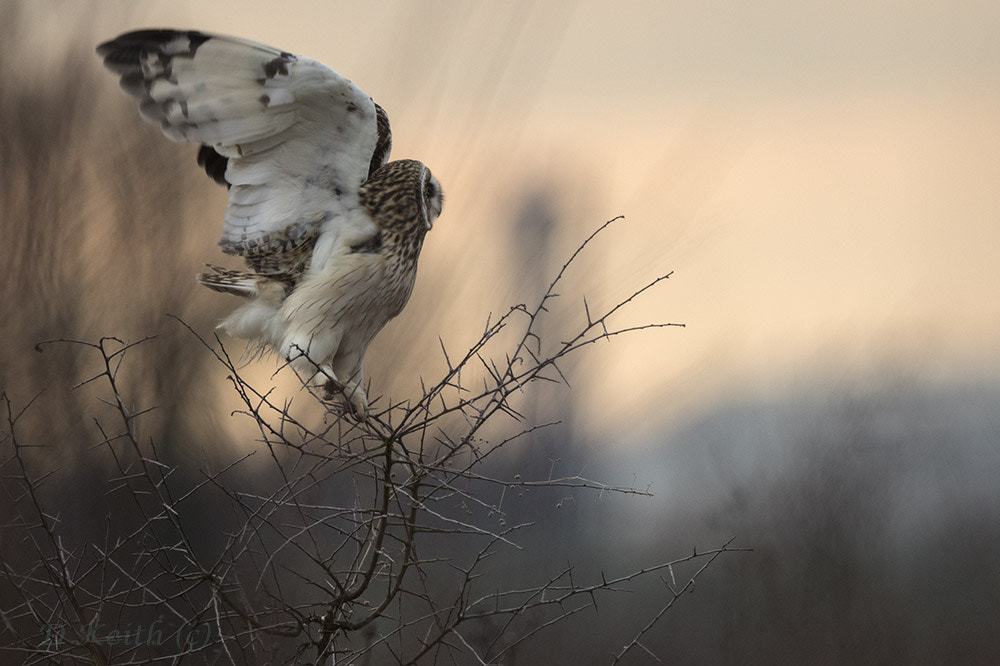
[{"x": 330, "y": 230}]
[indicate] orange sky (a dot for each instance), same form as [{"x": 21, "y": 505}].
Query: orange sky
[{"x": 823, "y": 179}]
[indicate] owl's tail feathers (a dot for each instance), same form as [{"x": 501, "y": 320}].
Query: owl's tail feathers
[
  {"x": 270, "y": 289},
  {"x": 258, "y": 318},
  {"x": 238, "y": 283}
]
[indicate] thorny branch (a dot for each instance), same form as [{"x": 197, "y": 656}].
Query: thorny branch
[{"x": 348, "y": 548}]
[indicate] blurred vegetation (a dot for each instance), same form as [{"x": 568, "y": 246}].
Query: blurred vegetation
[{"x": 96, "y": 213}]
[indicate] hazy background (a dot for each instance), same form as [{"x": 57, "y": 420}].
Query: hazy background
[{"x": 822, "y": 178}]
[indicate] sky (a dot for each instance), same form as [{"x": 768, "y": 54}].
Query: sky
[{"x": 821, "y": 178}]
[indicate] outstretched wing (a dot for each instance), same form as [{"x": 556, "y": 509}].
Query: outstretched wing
[{"x": 296, "y": 139}]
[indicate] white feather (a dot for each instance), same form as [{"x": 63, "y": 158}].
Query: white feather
[{"x": 299, "y": 136}]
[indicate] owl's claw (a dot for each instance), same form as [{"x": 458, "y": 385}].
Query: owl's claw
[{"x": 353, "y": 399}]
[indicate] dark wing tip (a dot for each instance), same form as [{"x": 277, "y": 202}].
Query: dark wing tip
[
  {"x": 383, "y": 145},
  {"x": 125, "y": 51},
  {"x": 214, "y": 164}
]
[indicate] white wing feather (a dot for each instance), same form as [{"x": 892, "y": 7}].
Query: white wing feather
[{"x": 300, "y": 137}]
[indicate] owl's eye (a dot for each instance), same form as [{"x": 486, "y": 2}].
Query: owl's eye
[{"x": 429, "y": 190}]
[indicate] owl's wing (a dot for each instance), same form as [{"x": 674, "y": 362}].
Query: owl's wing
[{"x": 292, "y": 138}]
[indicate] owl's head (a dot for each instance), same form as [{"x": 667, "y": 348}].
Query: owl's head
[{"x": 403, "y": 196}]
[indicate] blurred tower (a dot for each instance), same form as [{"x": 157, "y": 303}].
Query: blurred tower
[
  {"x": 532, "y": 249},
  {"x": 531, "y": 240}
]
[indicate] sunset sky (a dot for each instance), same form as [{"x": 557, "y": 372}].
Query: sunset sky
[{"x": 823, "y": 178}]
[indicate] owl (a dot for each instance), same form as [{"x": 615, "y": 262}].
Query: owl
[{"x": 330, "y": 229}]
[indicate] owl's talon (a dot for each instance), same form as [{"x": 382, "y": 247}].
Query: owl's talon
[{"x": 354, "y": 402}]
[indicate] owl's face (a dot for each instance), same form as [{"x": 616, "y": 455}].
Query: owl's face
[
  {"x": 403, "y": 196},
  {"x": 433, "y": 197}
]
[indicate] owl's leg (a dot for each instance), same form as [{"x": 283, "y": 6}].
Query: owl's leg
[
  {"x": 305, "y": 353},
  {"x": 350, "y": 384},
  {"x": 304, "y": 366},
  {"x": 323, "y": 375},
  {"x": 353, "y": 391}
]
